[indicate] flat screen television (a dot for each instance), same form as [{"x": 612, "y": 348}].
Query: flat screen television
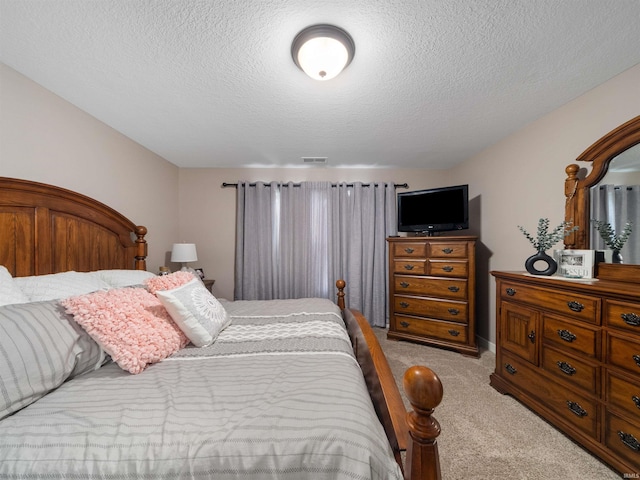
[{"x": 434, "y": 210}]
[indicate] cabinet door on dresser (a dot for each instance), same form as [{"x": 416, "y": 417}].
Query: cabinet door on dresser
[
  {"x": 432, "y": 291},
  {"x": 518, "y": 331}
]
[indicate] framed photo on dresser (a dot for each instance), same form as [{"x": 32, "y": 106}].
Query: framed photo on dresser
[{"x": 576, "y": 263}]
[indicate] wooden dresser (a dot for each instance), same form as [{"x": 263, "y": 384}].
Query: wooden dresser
[
  {"x": 432, "y": 291},
  {"x": 570, "y": 351}
]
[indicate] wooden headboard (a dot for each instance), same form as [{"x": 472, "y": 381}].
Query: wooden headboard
[{"x": 47, "y": 229}]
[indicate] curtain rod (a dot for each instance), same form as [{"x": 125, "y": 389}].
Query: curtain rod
[{"x": 235, "y": 185}]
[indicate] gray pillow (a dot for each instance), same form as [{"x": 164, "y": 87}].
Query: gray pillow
[{"x": 40, "y": 348}]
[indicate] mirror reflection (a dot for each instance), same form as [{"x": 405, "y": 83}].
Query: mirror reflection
[{"x": 616, "y": 200}]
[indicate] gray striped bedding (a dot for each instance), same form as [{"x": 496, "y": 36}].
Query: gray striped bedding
[{"x": 277, "y": 396}]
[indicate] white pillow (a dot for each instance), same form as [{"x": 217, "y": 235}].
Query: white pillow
[
  {"x": 10, "y": 293},
  {"x": 59, "y": 285},
  {"x": 198, "y": 313},
  {"x": 124, "y": 278}
]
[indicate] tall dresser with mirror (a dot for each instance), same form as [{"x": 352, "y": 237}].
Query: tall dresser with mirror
[{"x": 570, "y": 349}]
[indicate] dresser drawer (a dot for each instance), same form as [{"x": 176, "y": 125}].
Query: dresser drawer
[
  {"x": 447, "y": 268},
  {"x": 415, "y": 267},
  {"x": 623, "y": 394},
  {"x": 623, "y": 437},
  {"x": 622, "y": 352},
  {"x": 572, "y": 407},
  {"x": 451, "y": 332},
  {"x": 576, "y": 306},
  {"x": 447, "y": 250},
  {"x": 431, "y": 286},
  {"x": 431, "y": 307},
  {"x": 565, "y": 334},
  {"x": 409, "y": 249},
  {"x": 622, "y": 315},
  {"x": 572, "y": 370}
]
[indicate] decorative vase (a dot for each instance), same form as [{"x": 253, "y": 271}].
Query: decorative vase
[
  {"x": 616, "y": 257},
  {"x": 541, "y": 256}
]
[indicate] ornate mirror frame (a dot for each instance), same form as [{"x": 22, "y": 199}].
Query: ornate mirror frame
[{"x": 577, "y": 192}]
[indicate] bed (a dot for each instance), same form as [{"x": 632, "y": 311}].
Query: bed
[{"x": 286, "y": 389}]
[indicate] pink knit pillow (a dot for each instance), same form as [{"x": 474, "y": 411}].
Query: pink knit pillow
[
  {"x": 168, "y": 282},
  {"x": 130, "y": 324}
]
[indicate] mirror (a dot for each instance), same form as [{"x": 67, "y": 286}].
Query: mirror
[
  {"x": 616, "y": 200},
  {"x": 577, "y": 190}
]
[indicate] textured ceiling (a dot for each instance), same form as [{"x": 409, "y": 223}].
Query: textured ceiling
[{"x": 212, "y": 83}]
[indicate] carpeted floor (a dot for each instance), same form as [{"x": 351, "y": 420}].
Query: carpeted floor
[{"x": 487, "y": 435}]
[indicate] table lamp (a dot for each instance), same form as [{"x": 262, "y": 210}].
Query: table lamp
[{"x": 183, "y": 253}]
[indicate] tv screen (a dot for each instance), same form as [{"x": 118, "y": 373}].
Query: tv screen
[{"x": 434, "y": 210}]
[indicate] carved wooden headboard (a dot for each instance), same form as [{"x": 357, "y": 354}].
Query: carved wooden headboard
[{"x": 47, "y": 229}]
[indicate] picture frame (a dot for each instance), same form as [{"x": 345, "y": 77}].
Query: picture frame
[
  {"x": 200, "y": 273},
  {"x": 576, "y": 263}
]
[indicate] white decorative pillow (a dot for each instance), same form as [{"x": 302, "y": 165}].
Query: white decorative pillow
[
  {"x": 124, "y": 278},
  {"x": 198, "y": 313},
  {"x": 10, "y": 293},
  {"x": 59, "y": 285}
]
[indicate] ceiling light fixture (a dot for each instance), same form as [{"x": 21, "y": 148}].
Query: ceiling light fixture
[{"x": 322, "y": 51}]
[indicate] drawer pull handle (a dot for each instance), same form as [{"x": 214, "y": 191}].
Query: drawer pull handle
[
  {"x": 576, "y": 409},
  {"x": 636, "y": 358},
  {"x": 404, "y": 284},
  {"x": 567, "y": 336},
  {"x": 575, "y": 306},
  {"x": 408, "y": 250},
  {"x": 447, "y": 250},
  {"x": 405, "y": 324},
  {"x": 404, "y": 304},
  {"x": 408, "y": 267},
  {"x": 629, "y": 440},
  {"x": 636, "y": 400},
  {"x": 511, "y": 292},
  {"x": 631, "y": 319},
  {"x": 566, "y": 368},
  {"x": 453, "y": 288},
  {"x": 453, "y": 311},
  {"x": 454, "y": 333},
  {"x": 510, "y": 368},
  {"x": 447, "y": 268},
  {"x": 532, "y": 336}
]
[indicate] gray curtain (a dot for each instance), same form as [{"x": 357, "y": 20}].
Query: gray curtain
[
  {"x": 617, "y": 204},
  {"x": 296, "y": 241}
]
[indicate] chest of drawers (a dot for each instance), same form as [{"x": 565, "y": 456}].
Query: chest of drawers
[
  {"x": 570, "y": 351},
  {"x": 432, "y": 291}
]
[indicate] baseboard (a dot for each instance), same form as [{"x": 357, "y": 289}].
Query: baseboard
[{"x": 485, "y": 344}]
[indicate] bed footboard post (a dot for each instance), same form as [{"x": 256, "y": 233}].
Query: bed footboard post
[
  {"x": 340, "y": 284},
  {"x": 424, "y": 391},
  {"x": 141, "y": 248}
]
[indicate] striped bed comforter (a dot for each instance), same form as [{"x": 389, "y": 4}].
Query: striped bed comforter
[{"x": 278, "y": 395}]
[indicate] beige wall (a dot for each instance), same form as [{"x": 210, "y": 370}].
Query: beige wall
[
  {"x": 521, "y": 179},
  {"x": 514, "y": 182},
  {"x": 46, "y": 139}
]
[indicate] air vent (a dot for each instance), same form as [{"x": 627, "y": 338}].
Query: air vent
[{"x": 315, "y": 160}]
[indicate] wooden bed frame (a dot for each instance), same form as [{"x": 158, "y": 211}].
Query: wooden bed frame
[{"x": 46, "y": 229}]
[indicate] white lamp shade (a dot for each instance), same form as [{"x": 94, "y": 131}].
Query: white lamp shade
[
  {"x": 184, "y": 252},
  {"x": 322, "y": 58}
]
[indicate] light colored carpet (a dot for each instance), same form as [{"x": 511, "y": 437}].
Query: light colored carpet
[{"x": 487, "y": 435}]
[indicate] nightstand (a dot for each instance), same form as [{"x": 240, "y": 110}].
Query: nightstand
[{"x": 208, "y": 283}]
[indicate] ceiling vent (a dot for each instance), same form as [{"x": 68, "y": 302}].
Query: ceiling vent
[{"x": 314, "y": 160}]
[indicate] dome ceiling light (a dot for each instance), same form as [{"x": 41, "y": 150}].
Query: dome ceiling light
[{"x": 322, "y": 51}]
